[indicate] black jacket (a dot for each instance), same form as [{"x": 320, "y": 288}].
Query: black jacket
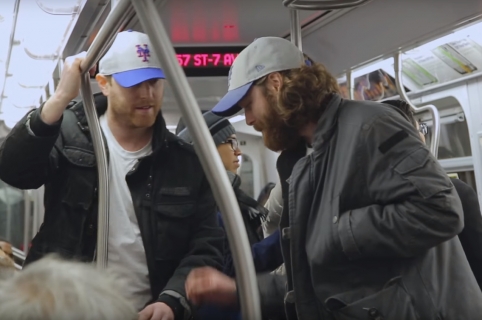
[
  {"x": 171, "y": 196},
  {"x": 266, "y": 252},
  {"x": 471, "y": 236},
  {"x": 372, "y": 225}
]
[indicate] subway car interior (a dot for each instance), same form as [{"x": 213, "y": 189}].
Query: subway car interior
[{"x": 435, "y": 45}]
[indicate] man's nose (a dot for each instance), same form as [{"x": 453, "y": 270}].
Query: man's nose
[{"x": 249, "y": 118}]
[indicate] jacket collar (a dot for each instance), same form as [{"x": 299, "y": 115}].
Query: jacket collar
[
  {"x": 327, "y": 122},
  {"x": 161, "y": 133}
]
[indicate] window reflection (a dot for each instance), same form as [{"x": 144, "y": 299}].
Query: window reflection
[
  {"x": 12, "y": 209},
  {"x": 454, "y": 140}
]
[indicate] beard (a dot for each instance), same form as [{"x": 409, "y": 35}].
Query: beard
[
  {"x": 277, "y": 135},
  {"x": 128, "y": 117}
]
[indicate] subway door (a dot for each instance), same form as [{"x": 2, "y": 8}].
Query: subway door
[
  {"x": 454, "y": 151},
  {"x": 257, "y": 164}
]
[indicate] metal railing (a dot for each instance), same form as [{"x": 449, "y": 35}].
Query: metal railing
[
  {"x": 350, "y": 85},
  {"x": 323, "y": 5},
  {"x": 203, "y": 143},
  {"x": 296, "y": 29},
  {"x": 27, "y": 222},
  {"x": 295, "y": 5},
  {"x": 433, "y": 110},
  {"x": 97, "y": 49},
  {"x": 20, "y": 256}
]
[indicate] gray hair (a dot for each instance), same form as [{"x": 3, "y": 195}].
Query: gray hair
[{"x": 52, "y": 289}]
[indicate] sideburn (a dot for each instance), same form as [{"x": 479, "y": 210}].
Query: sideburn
[{"x": 277, "y": 136}]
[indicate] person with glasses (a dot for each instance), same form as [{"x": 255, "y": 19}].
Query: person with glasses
[
  {"x": 266, "y": 252},
  {"x": 423, "y": 129}
]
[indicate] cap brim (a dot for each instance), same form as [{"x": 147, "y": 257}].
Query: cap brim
[
  {"x": 228, "y": 105},
  {"x": 131, "y": 78}
]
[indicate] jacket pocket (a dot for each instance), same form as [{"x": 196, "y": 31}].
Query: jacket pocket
[
  {"x": 423, "y": 171},
  {"x": 173, "y": 225},
  {"x": 390, "y": 303},
  {"x": 79, "y": 190}
]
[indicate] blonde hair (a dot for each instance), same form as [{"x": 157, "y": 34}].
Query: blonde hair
[{"x": 52, "y": 289}]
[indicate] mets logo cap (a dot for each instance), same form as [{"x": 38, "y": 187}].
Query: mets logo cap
[
  {"x": 130, "y": 60},
  {"x": 262, "y": 57}
]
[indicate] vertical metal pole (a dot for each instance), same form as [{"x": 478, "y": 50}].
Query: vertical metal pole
[
  {"x": 403, "y": 95},
  {"x": 27, "y": 219},
  {"x": 113, "y": 3},
  {"x": 8, "y": 233},
  {"x": 350, "y": 84},
  {"x": 295, "y": 29},
  {"x": 107, "y": 34},
  {"x": 35, "y": 215},
  {"x": 210, "y": 160},
  {"x": 102, "y": 170},
  {"x": 98, "y": 47}
]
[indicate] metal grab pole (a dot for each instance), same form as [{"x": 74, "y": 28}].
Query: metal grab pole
[
  {"x": 98, "y": 47},
  {"x": 323, "y": 5},
  {"x": 107, "y": 34},
  {"x": 27, "y": 212},
  {"x": 295, "y": 29},
  {"x": 102, "y": 171},
  {"x": 403, "y": 95},
  {"x": 350, "y": 83},
  {"x": 211, "y": 162}
]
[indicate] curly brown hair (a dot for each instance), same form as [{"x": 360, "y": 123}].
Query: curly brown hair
[{"x": 303, "y": 94}]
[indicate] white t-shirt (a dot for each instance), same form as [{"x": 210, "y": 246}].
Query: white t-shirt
[{"x": 126, "y": 254}]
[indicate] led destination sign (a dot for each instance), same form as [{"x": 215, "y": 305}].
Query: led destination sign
[
  {"x": 207, "y": 61},
  {"x": 201, "y": 60}
]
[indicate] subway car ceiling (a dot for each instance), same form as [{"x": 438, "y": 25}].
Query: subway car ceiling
[{"x": 341, "y": 39}]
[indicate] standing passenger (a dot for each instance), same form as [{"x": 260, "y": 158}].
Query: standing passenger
[
  {"x": 370, "y": 228},
  {"x": 162, "y": 212},
  {"x": 266, "y": 252}
]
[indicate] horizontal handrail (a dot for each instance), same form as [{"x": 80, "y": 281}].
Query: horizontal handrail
[
  {"x": 19, "y": 254},
  {"x": 323, "y": 5},
  {"x": 58, "y": 11}
]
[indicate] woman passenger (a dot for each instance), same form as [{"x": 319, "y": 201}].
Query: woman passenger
[{"x": 266, "y": 252}]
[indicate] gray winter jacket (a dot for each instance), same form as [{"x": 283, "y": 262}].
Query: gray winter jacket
[{"x": 372, "y": 225}]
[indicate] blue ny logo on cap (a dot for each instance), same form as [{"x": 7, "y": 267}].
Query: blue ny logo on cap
[
  {"x": 143, "y": 53},
  {"x": 259, "y": 67}
]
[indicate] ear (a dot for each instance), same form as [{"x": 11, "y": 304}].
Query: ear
[
  {"x": 103, "y": 83},
  {"x": 275, "y": 81}
]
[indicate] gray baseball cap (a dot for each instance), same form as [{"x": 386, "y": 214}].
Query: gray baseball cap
[{"x": 262, "y": 57}]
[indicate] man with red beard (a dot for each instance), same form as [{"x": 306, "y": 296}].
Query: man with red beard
[
  {"x": 369, "y": 218},
  {"x": 162, "y": 219}
]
